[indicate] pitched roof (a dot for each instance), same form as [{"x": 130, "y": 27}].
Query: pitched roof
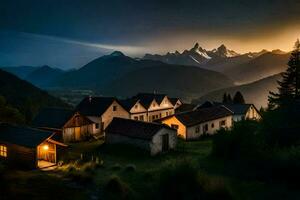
[
  {"x": 134, "y": 129},
  {"x": 203, "y": 115},
  {"x": 174, "y": 100},
  {"x": 94, "y": 106},
  {"x": 52, "y": 117},
  {"x": 128, "y": 103},
  {"x": 147, "y": 98},
  {"x": 185, "y": 108},
  {"x": 23, "y": 136},
  {"x": 238, "y": 109}
]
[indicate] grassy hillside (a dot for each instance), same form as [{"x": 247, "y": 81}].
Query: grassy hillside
[
  {"x": 186, "y": 82},
  {"x": 22, "y": 95},
  {"x": 256, "y": 92}
]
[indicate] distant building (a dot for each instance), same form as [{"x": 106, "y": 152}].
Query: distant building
[
  {"x": 27, "y": 147},
  {"x": 194, "y": 124},
  {"x": 101, "y": 111},
  {"x": 80, "y": 128},
  {"x": 136, "y": 109},
  {"x": 153, "y": 137},
  {"x": 149, "y": 107},
  {"x": 176, "y": 102},
  {"x": 241, "y": 111}
]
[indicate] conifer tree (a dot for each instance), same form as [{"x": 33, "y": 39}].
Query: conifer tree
[
  {"x": 229, "y": 98},
  {"x": 238, "y": 98},
  {"x": 289, "y": 86},
  {"x": 225, "y": 100}
]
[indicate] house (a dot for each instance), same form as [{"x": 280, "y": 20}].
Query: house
[
  {"x": 136, "y": 110},
  {"x": 153, "y": 137},
  {"x": 194, "y": 124},
  {"x": 241, "y": 111},
  {"x": 157, "y": 105},
  {"x": 101, "y": 111},
  {"x": 27, "y": 147},
  {"x": 80, "y": 128},
  {"x": 176, "y": 102}
]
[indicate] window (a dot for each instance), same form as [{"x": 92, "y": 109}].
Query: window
[
  {"x": 141, "y": 117},
  {"x": 136, "y": 118},
  {"x": 197, "y": 129},
  {"x": 167, "y": 113},
  {"x": 205, "y": 128},
  {"x": 159, "y": 115},
  {"x": 97, "y": 126},
  {"x": 212, "y": 125},
  {"x": 174, "y": 126},
  {"x": 136, "y": 106},
  {"x": 114, "y": 108},
  {"x": 222, "y": 123},
  {"x": 3, "y": 151}
]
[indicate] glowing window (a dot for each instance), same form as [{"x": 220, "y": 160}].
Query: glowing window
[{"x": 3, "y": 151}]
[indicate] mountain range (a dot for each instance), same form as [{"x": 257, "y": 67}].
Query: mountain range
[
  {"x": 42, "y": 76},
  {"x": 256, "y": 92},
  {"x": 189, "y": 75},
  {"x": 25, "y": 97},
  {"x": 242, "y": 68},
  {"x": 117, "y": 74}
]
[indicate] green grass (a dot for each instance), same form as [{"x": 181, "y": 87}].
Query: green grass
[{"x": 144, "y": 174}]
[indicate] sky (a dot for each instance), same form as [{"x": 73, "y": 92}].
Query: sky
[{"x": 69, "y": 33}]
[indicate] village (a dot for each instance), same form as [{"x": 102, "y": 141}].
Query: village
[{"x": 151, "y": 122}]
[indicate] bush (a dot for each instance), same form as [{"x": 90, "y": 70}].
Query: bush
[
  {"x": 130, "y": 168},
  {"x": 242, "y": 141},
  {"x": 182, "y": 180},
  {"x": 116, "y": 167},
  {"x": 115, "y": 188}
]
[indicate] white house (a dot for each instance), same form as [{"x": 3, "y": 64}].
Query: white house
[
  {"x": 194, "y": 124},
  {"x": 101, "y": 110},
  {"x": 153, "y": 137}
]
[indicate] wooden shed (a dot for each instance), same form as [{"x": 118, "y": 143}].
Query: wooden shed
[
  {"x": 153, "y": 137},
  {"x": 26, "y": 147},
  {"x": 79, "y": 128}
]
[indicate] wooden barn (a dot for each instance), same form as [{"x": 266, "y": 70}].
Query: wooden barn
[
  {"x": 153, "y": 137},
  {"x": 80, "y": 128},
  {"x": 29, "y": 148}
]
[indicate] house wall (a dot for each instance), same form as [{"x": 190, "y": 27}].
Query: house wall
[
  {"x": 158, "y": 114},
  {"x": 20, "y": 156},
  {"x": 213, "y": 126},
  {"x": 109, "y": 114},
  {"x": 138, "y": 112},
  {"x": 181, "y": 131},
  {"x": 85, "y": 132},
  {"x": 120, "y": 139},
  {"x": 156, "y": 143},
  {"x": 253, "y": 114}
]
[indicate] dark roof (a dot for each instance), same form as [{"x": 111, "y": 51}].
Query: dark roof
[
  {"x": 94, "y": 106},
  {"x": 52, "y": 117},
  {"x": 174, "y": 100},
  {"x": 238, "y": 109},
  {"x": 147, "y": 98},
  {"x": 203, "y": 115},
  {"x": 185, "y": 108},
  {"x": 23, "y": 136},
  {"x": 135, "y": 129},
  {"x": 128, "y": 103}
]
